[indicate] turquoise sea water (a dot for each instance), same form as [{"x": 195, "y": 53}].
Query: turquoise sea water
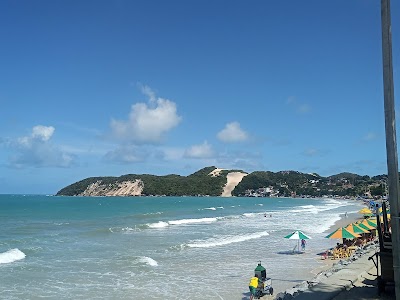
[{"x": 156, "y": 247}]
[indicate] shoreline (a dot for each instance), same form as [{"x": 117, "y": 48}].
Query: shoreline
[{"x": 327, "y": 265}]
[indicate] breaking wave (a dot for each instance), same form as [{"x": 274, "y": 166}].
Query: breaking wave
[
  {"x": 226, "y": 240},
  {"x": 11, "y": 256},
  {"x": 148, "y": 261},
  {"x": 162, "y": 224}
]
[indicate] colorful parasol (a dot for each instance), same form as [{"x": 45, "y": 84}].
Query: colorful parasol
[{"x": 342, "y": 233}]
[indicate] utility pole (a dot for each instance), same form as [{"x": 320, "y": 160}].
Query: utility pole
[{"x": 391, "y": 145}]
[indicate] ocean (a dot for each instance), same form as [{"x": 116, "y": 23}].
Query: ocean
[{"x": 157, "y": 247}]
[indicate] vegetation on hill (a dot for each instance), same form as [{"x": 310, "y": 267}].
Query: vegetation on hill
[
  {"x": 259, "y": 183},
  {"x": 198, "y": 183}
]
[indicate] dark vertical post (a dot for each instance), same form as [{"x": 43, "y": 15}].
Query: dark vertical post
[{"x": 391, "y": 145}]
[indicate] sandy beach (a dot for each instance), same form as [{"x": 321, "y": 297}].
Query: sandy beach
[
  {"x": 328, "y": 266},
  {"x": 353, "y": 278}
]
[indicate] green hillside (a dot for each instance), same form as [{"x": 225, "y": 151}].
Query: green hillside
[{"x": 259, "y": 183}]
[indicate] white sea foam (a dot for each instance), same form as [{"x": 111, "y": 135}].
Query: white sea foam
[
  {"x": 312, "y": 209},
  {"x": 249, "y": 214},
  {"x": 210, "y": 208},
  {"x": 160, "y": 224},
  {"x": 163, "y": 224},
  {"x": 226, "y": 240},
  {"x": 149, "y": 261},
  {"x": 192, "y": 221},
  {"x": 153, "y": 213},
  {"x": 11, "y": 256}
]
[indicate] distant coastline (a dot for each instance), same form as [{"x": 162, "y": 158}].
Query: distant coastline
[{"x": 218, "y": 182}]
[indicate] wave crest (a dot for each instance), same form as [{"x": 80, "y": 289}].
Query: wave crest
[
  {"x": 214, "y": 242},
  {"x": 148, "y": 261},
  {"x": 11, "y": 256}
]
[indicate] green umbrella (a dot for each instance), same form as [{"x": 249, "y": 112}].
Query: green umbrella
[
  {"x": 341, "y": 233},
  {"x": 364, "y": 227},
  {"x": 297, "y": 235},
  {"x": 371, "y": 223},
  {"x": 356, "y": 229}
]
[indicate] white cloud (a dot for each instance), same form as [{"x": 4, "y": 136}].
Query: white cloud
[
  {"x": 126, "y": 154},
  {"x": 146, "y": 90},
  {"x": 232, "y": 133},
  {"x": 36, "y": 150},
  {"x": 43, "y": 133},
  {"x": 200, "y": 151},
  {"x": 147, "y": 123}
]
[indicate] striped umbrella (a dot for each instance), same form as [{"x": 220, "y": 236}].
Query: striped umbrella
[
  {"x": 342, "y": 233},
  {"x": 366, "y": 227},
  {"x": 355, "y": 228},
  {"x": 371, "y": 222},
  {"x": 297, "y": 235}
]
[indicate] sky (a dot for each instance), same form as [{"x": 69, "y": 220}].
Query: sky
[{"x": 107, "y": 88}]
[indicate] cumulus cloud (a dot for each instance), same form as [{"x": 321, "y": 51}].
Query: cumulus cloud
[
  {"x": 147, "y": 122},
  {"x": 200, "y": 151},
  {"x": 126, "y": 154},
  {"x": 232, "y": 133},
  {"x": 36, "y": 150}
]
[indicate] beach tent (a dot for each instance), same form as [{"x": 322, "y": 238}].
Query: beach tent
[
  {"x": 297, "y": 235},
  {"x": 342, "y": 233}
]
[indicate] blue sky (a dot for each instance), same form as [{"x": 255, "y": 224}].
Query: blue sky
[{"x": 106, "y": 88}]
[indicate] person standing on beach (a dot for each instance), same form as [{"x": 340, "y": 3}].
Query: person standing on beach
[
  {"x": 253, "y": 285},
  {"x": 303, "y": 244}
]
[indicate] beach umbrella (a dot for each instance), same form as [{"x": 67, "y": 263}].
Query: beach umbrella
[
  {"x": 366, "y": 227},
  {"x": 365, "y": 211},
  {"x": 350, "y": 229},
  {"x": 297, "y": 235},
  {"x": 368, "y": 223},
  {"x": 368, "y": 215},
  {"x": 355, "y": 228},
  {"x": 342, "y": 233},
  {"x": 371, "y": 222}
]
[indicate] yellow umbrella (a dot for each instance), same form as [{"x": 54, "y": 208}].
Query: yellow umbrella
[
  {"x": 342, "y": 233},
  {"x": 353, "y": 227},
  {"x": 365, "y": 211},
  {"x": 366, "y": 227},
  {"x": 368, "y": 224}
]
